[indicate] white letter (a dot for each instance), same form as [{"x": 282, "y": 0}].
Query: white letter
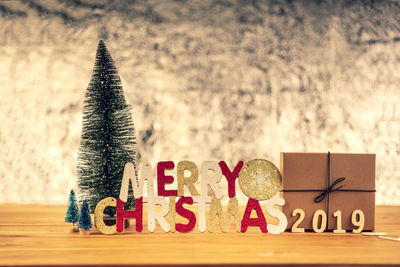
[
  {"x": 129, "y": 174},
  {"x": 154, "y": 216},
  {"x": 206, "y": 179},
  {"x": 282, "y": 220}
]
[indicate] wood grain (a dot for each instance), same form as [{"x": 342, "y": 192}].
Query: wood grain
[{"x": 37, "y": 235}]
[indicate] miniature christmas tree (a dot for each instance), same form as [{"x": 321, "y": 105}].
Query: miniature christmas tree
[
  {"x": 108, "y": 135},
  {"x": 85, "y": 222},
  {"x": 72, "y": 215}
]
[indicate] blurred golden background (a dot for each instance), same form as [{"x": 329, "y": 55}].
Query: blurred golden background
[{"x": 207, "y": 79}]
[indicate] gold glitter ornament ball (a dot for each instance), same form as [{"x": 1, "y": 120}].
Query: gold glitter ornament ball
[{"x": 260, "y": 179}]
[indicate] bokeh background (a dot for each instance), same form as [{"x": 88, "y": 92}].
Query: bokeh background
[{"x": 207, "y": 79}]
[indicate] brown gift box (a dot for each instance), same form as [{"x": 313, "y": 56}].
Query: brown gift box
[{"x": 309, "y": 171}]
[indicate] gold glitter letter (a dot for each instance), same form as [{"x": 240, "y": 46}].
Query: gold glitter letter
[
  {"x": 225, "y": 222},
  {"x": 99, "y": 214},
  {"x": 188, "y": 181}
]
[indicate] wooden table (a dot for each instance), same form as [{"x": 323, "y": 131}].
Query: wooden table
[{"x": 37, "y": 235}]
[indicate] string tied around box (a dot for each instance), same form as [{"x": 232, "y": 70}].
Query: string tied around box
[{"x": 330, "y": 188}]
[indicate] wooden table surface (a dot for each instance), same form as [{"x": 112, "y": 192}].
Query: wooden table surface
[{"x": 37, "y": 235}]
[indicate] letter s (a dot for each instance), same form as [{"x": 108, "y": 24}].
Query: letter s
[{"x": 282, "y": 224}]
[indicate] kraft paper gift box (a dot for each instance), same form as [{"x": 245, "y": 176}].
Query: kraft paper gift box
[{"x": 307, "y": 176}]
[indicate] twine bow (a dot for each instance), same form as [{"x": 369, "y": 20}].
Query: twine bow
[{"x": 329, "y": 190}]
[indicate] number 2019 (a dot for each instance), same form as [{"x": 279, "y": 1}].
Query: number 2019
[{"x": 319, "y": 221}]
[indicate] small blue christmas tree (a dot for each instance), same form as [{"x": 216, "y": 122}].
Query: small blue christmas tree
[
  {"x": 85, "y": 222},
  {"x": 72, "y": 215}
]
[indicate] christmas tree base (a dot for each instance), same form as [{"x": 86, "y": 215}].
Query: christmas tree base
[
  {"x": 74, "y": 230},
  {"x": 85, "y": 232}
]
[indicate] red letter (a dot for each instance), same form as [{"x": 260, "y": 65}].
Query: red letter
[
  {"x": 231, "y": 176},
  {"x": 163, "y": 179},
  {"x": 253, "y": 204},
  {"x": 137, "y": 214},
  {"x": 184, "y": 228}
]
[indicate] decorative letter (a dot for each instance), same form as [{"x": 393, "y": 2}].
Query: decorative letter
[
  {"x": 282, "y": 220},
  {"x": 129, "y": 174},
  {"x": 210, "y": 180},
  {"x": 137, "y": 214},
  {"x": 231, "y": 176},
  {"x": 184, "y": 228},
  {"x": 172, "y": 213},
  {"x": 154, "y": 216},
  {"x": 99, "y": 214},
  {"x": 188, "y": 181},
  {"x": 201, "y": 210},
  {"x": 163, "y": 179},
  {"x": 260, "y": 221},
  {"x": 224, "y": 222}
]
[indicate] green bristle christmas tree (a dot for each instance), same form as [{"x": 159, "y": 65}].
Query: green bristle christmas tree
[
  {"x": 72, "y": 215},
  {"x": 108, "y": 135},
  {"x": 85, "y": 222}
]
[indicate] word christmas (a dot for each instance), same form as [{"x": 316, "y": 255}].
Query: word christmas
[{"x": 259, "y": 180}]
